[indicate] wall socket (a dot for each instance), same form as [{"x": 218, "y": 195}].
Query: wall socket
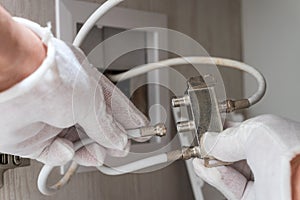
[{"x": 10, "y": 162}]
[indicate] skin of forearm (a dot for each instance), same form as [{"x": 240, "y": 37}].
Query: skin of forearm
[
  {"x": 295, "y": 177},
  {"x": 21, "y": 51}
]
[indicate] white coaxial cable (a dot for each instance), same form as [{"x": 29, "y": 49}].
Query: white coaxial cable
[
  {"x": 92, "y": 20},
  {"x": 158, "y": 130},
  {"x": 135, "y": 166},
  {"x": 142, "y": 69},
  {"x": 127, "y": 168}
]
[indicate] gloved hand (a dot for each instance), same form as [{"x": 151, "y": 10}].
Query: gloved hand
[
  {"x": 268, "y": 143},
  {"x": 61, "y": 93}
]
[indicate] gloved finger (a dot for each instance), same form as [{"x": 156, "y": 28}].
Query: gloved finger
[
  {"x": 57, "y": 153},
  {"x": 118, "y": 105},
  {"x": 227, "y": 180},
  {"x": 101, "y": 127},
  {"x": 227, "y": 146},
  {"x": 229, "y": 124},
  {"x": 121, "y": 108},
  {"x": 119, "y": 153},
  {"x": 243, "y": 167},
  {"x": 98, "y": 123},
  {"x": 90, "y": 155},
  {"x": 109, "y": 128},
  {"x": 142, "y": 139},
  {"x": 93, "y": 154},
  {"x": 72, "y": 133}
]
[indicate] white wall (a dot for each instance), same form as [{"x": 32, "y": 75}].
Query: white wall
[{"x": 271, "y": 43}]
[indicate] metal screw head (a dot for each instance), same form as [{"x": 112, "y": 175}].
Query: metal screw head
[{"x": 17, "y": 160}]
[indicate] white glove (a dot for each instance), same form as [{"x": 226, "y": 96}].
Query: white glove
[
  {"x": 268, "y": 143},
  {"x": 62, "y": 93}
]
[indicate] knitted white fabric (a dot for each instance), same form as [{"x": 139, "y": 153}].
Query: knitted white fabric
[
  {"x": 268, "y": 143},
  {"x": 61, "y": 93}
]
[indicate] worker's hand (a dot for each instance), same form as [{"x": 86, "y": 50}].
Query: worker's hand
[
  {"x": 268, "y": 144},
  {"x": 61, "y": 93},
  {"x": 21, "y": 51}
]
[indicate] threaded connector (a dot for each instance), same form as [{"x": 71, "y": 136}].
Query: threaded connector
[
  {"x": 185, "y": 153},
  {"x": 191, "y": 152},
  {"x": 181, "y": 101},
  {"x": 185, "y": 126},
  {"x": 230, "y": 105},
  {"x": 158, "y": 130}
]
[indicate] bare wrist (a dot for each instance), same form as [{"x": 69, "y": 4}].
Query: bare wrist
[
  {"x": 295, "y": 177},
  {"x": 21, "y": 52}
]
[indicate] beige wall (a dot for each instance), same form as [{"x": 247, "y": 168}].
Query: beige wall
[
  {"x": 272, "y": 45},
  {"x": 215, "y": 24}
]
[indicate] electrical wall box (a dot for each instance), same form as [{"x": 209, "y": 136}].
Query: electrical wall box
[{"x": 11, "y": 162}]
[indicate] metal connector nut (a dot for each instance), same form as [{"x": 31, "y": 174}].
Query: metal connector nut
[
  {"x": 160, "y": 130},
  {"x": 191, "y": 152}
]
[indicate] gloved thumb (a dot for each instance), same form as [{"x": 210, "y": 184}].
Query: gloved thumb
[
  {"x": 227, "y": 146},
  {"x": 231, "y": 183},
  {"x": 57, "y": 153},
  {"x": 90, "y": 155}
]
